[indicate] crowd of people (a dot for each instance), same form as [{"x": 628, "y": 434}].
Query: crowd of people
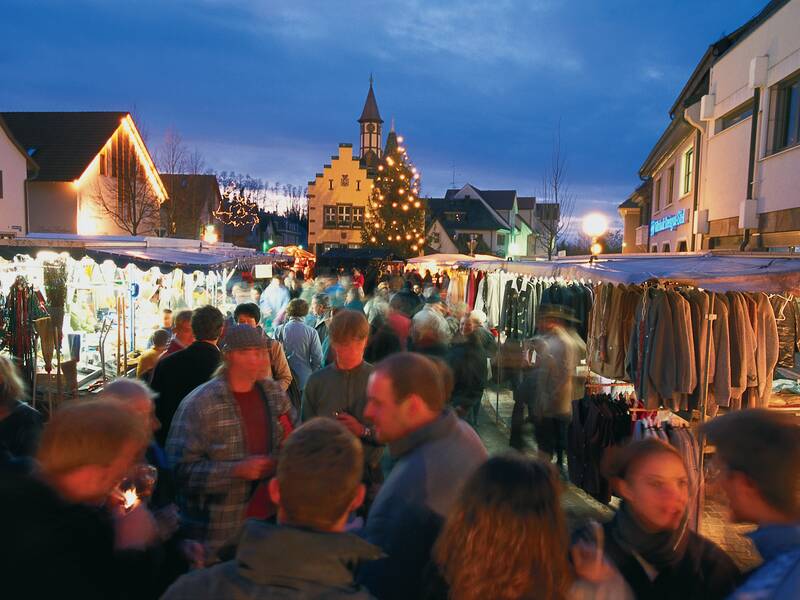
[{"x": 318, "y": 439}]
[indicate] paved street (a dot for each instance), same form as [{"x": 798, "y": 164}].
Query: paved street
[{"x": 579, "y": 506}]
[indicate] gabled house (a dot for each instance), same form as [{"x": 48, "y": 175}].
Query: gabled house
[
  {"x": 501, "y": 222},
  {"x": 95, "y": 176},
  {"x": 191, "y": 201},
  {"x": 15, "y": 168}
]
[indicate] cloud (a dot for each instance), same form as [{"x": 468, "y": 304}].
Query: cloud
[{"x": 652, "y": 73}]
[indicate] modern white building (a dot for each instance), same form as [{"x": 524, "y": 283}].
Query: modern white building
[{"x": 725, "y": 173}]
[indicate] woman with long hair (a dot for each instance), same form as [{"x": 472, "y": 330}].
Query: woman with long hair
[
  {"x": 507, "y": 537},
  {"x": 649, "y": 540}
]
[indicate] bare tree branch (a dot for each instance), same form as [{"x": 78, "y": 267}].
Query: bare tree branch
[
  {"x": 556, "y": 191},
  {"x": 128, "y": 200}
]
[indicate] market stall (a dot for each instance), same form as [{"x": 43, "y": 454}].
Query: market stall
[
  {"x": 672, "y": 339},
  {"x": 112, "y": 293}
]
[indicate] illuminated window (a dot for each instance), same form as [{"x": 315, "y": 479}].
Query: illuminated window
[
  {"x": 345, "y": 213},
  {"x": 330, "y": 217},
  {"x": 688, "y": 169},
  {"x": 358, "y": 216},
  {"x": 786, "y": 111}
]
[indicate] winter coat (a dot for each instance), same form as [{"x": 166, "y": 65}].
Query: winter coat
[
  {"x": 779, "y": 577},
  {"x": 20, "y": 430},
  {"x": 704, "y": 573},
  {"x": 302, "y": 347},
  {"x": 179, "y": 374},
  {"x": 282, "y": 563},
  {"x": 433, "y": 463},
  {"x": 206, "y": 440}
]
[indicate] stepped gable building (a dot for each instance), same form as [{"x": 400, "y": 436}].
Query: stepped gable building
[{"x": 338, "y": 196}]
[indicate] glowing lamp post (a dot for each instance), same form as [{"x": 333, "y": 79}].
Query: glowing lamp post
[{"x": 595, "y": 225}]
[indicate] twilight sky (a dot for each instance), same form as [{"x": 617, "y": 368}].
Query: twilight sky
[{"x": 270, "y": 87}]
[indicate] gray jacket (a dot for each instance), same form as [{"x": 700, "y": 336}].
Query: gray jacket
[
  {"x": 433, "y": 463},
  {"x": 282, "y": 562}
]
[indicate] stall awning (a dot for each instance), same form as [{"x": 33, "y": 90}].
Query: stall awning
[
  {"x": 716, "y": 272},
  {"x": 445, "y": 260},
  {"x": 146, "y": 253}
]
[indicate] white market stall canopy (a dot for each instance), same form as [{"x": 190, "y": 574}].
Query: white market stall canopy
[
  {"x": 166, "y": 254},
  {"x": 446, "y": 260},
  {"x": 720, "y": 272}
]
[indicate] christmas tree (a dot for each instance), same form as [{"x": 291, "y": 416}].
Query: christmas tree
[{"x": 395, "y": 216}]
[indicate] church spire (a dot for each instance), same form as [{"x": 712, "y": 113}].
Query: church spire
[{"x": 370, "y": 124}]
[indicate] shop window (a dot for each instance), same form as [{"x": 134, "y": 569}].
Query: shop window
[
  {"x": 665, "y": 247},
  {"x": 688, "y": 169},
  {"x": 786, "y": 114},
  {"x": 737, "y": 115},
  {"x": 330, "y": 217},
  {"x": 682, "y": 246},
  {"x": 654, "y": 249}
]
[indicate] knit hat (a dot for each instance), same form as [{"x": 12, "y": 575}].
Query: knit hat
[{"x": 241, "y": 337}]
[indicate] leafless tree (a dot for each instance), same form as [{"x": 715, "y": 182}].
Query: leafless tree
[
  {"x": 128, "y": 199},
  {"x": 171, "y": 159},
  {"x": 556, "y": 191}
]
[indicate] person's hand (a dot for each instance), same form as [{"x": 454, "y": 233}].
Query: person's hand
[
  {"x": 253, "y": 468},
  {"x": 194, "y": 552},
  {"x": 353, "y": 424},
  {"x": 167, "y": 521},
  {"x": 136, "y": 529},
  {"x": 590, "y": 564}
]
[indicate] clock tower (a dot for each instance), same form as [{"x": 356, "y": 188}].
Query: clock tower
[{"x": 370, "y": 123}]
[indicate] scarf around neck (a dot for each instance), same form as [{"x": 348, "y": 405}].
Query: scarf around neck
[{"x": 662, "y": 550}]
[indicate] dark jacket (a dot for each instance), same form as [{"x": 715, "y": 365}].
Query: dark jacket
[
  {"x": 283, "y": 562},
  {"x": 20, "y": 430},
  {"x": 433, "y": 463},
  {"x": 177, "y": 375},
  {"x": 467, "y": 361},
  {"x": 51, "y": 548},
  {"x": 705, "y": 573}
]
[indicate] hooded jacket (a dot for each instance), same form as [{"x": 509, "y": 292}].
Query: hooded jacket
[{"x": 282, "y": 562}]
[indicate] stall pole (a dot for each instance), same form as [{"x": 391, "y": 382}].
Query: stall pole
[
  {"x": 710, "y": 318},
  {"x": 119, "y": 336},
  {"x": 499, "y": 356},
  {"x": 59, "y": 391},
  {"x": 124, "y": 339}
]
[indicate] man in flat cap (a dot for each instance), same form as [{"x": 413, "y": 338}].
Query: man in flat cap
[{"x": 224, "y": 441}]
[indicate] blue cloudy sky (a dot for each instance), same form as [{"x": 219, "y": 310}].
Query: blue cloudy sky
[{"x": 270, "y": 88}]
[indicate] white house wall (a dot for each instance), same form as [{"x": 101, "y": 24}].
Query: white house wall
[
  {"x": 725, "y": 171},
  {"x": 13, "y": 166}
]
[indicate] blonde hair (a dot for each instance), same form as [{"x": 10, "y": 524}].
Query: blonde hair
[
  {"x": 88, "y": 433},
  {"x": 12, "y": 387}
]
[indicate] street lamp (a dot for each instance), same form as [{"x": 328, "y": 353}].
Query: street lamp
[{"x": 595, "y": 225}]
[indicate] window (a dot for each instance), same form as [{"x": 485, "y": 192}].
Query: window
[
  {"x": 457, "y": 216},
  {"x": 435, "y": 238},
  {"x": 358, "y": 217},
  {"x": 654, "y": 249},
  {"x": 786, "y": 104},
  {"x": 737, "y": 115},
  {"x": 657, "y": 195},
  {"x": 330, "y": 184},
  {"x": 113, "y": 158},
  {"x": 688, "y": 169},
  {"x": 330, "y": 217},
  {"x": 665, "y": 247},
  {"x": 682, "y": 246},
  {"x": 670, "y": 186},
  {"x": 345, "y": 212},
  {"x": 501, "y": 239},
  {"x": 102, "y": 163}
]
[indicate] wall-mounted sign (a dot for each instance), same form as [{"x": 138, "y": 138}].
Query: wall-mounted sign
[{"x": 668, "y": 222}]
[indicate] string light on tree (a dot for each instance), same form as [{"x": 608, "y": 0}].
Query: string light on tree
[
  {"x": 395, "y": 214},
  {"x": 237, "y": 209}
]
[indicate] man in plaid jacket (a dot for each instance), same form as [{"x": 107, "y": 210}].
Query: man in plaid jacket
[{"x": 224, "y": 441}]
